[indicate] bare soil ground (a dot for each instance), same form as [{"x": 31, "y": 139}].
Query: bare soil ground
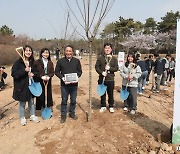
[{"x": 107, "y": 132}]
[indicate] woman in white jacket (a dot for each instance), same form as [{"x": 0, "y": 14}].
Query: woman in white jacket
[{"x": 130, "y": 72}]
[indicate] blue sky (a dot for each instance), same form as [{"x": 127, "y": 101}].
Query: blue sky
[{"x": 47, "y": 18}]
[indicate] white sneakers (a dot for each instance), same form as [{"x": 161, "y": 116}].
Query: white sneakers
[
  {"x": 34, "y": 118},
  {"x": 111, "y": 110},
  {"x": 132, "y": 112},
  {"x": 125, "y": 108},
  {"x": 23, "y": 121},
  {"x": 102, "y": 109}
]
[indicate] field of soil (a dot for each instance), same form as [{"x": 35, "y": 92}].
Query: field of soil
[{"x": 113, "y": 133}]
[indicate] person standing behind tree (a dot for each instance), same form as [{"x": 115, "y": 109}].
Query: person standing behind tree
[
  {"x": 46, "y": 69},
  {"x": 106, "y": 65},
  {"x": 66, "y": 65},
  {"x": 22, "y": 75},
  {"x": 130, "y": 72}
]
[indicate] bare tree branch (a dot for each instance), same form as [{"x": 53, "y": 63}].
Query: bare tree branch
[
  {"x": 74, "y": 15},
  {"x": 67, "y": 22},
  {"x": 80, "y": 11},
  {"x": 97, "y": 5},
  {"x": 76, "y": 30}
]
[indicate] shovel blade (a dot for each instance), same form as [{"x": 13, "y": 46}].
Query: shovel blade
[
  {"x": 46, "y": 113},
  {"x": 124, "y": 94}
]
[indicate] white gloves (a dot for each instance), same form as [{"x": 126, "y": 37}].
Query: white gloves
[
  {"x": 104, "y": 73},
  {"x": 107, "y": 67},
  {"x": 45, "y": 77},
  {"x": 63, "y": 78},
  {"x": 155, "y": 74}
]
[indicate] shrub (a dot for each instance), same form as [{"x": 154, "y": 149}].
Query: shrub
[{"x": 7, "y": 54}]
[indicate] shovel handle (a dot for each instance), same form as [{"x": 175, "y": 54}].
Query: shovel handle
[{"x": 22, "y": 56}]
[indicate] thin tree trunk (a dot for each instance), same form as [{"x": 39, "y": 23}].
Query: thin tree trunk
[{"x": 90, "y": 81}]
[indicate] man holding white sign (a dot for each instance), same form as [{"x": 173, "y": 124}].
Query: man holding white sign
[{"x": 68, "y": 70}]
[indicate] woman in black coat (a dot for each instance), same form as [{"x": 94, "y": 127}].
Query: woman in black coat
[
  {"x": 46, "y": 69},
  {"x": 22, "y": 72}
]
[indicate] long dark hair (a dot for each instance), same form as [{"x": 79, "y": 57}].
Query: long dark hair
[
  {"x": 134, "y": 59},
  {"x": 42, "y": 50},
  {"x": 31, "y": 58}
]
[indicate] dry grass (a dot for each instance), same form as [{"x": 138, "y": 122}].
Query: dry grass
[{"x": 7, "y": 54}]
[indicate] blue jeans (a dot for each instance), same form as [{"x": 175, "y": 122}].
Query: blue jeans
[
  {"x": 65, "y": 92},
  {"x": 30, "y": 106},
  {"x": 142, "y": 81}
]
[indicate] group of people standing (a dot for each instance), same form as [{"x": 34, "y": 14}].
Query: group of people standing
[
  {"x": 42, "y": 70},
  {"x": 163, "y": 70}
]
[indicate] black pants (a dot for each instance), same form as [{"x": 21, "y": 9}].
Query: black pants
[
  {"x": 172, "y": 74},
  {"x": 110, "y": 92},
  {"x": 147, "y": 78}
]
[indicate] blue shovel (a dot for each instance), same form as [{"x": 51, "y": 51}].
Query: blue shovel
[
  {"x": 46, "y": 112},
  {"x": 101, "y": 89},
  {"x": 124, "y": 94},
  {"x": 35, "y": 88}
]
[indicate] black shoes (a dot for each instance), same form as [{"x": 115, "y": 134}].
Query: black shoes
[
  {"x": 63, "y": 119},
  {"x": 73, "y": 116}
]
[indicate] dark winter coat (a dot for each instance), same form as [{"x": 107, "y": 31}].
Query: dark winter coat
[
  {"x": 4, "y": 75},
  {"x": 64, "y": 66},
  {"x": 100, "y": 67},
  {"x": 143, "y": 65},
  {"x": 40, "y": 101},
  {"x": 158, "y": 66},
  {"x": 150, "y": 64},
  {"x": 21, "y": 91}
]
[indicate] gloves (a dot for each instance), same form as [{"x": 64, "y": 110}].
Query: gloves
[
  {"x": 63, "y": 78},
  {"x": 155, "y": 74},
  {"x": 104, "y": 73},
  {"x": 109, "y": 56},
  {"x": 47, "y": 77},
  {"x": 107, "y": 67},
  {"x": 43, "y": 77}
]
